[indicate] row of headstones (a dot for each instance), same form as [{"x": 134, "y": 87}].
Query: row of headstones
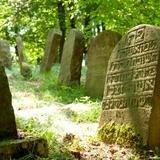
[
  {"x": 130, "y": 71},
  {"x": 70, "y": 69},
  {"x": 132, "y": 88},
  {"x": 6, "y": 57},
  {"x": 99, "y": 51}
]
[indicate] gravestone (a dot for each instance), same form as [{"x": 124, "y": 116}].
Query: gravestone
[
  {"x": 132, "y": 87},
  {"x": 7, "y": 117},
  {"x": 98, "y": 55},
  {"x": 20, "y": 49},
  {"x": 5, "y": 56},
  {"x": 70, "y": 69},
  {"x": 11, "y": 146},
  {"x": 25, "y": 68},
  {"x": 53, "y": 42}
]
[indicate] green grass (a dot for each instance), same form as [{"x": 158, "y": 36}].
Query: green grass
[
  {"x": 92, "y": 115},
  {"x": 31, "y": 126},
  {"x": 45, "y": 87}
]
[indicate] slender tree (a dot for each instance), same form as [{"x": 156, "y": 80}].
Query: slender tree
[{"x": 62, "y": 24}]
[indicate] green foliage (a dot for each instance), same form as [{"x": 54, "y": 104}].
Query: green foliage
[
  {"x": 124, "y": 135},
  {"x": 33, "y": 19},
  {"x": 92, "y": 115}
]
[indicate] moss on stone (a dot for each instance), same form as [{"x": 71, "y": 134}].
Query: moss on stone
[{"x": 122, "y": 134}]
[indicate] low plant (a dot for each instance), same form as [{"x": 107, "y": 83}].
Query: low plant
[{"x": 92, "y": 115}]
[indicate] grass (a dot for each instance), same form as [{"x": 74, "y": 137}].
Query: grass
[
  {"x": 31, "y": 126},
  {"x": 91, "y": 115},
  {"x": 44, "y": 87}
]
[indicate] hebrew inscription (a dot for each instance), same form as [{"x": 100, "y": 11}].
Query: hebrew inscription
[{"x": 132, "y": 71}]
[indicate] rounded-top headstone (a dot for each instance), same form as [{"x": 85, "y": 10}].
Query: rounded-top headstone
[
  {"x": 132, "y": 87},
  {"x": 100, "y": 49}
]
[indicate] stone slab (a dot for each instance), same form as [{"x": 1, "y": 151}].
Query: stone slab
[
  {"x": 20, "y": 49},
  {"x": 13, "y": 149},
  {"x": 132, "y": 87},
  {"x": 51, "y": 50},
  {"x": 100, "y": 49},
  {"x": 5, "y": 55},
  {"x": 7, "y": 117},
  {"x": 71, "y": 62}
]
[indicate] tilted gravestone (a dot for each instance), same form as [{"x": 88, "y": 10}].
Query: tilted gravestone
[
  {"x": 5, "y": 56},
  {"x": 132, "y": 88},
  {"x": 100, "y": 49},
  {"x": 25, "y": 68},
  {"x": 70, "y": 70},
  {"x": 7, "y": 117},
  {"x": 10, "y": 146},
  {"x": 20, "y": 49},
  {"x": 53, "y": 42}
]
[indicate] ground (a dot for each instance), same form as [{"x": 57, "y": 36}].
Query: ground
[{"x": 42, "y": 114}]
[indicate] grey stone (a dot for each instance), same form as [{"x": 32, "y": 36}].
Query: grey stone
[
  {"x": 70, "y": 70},
  {"x": 100, "y": 49},
  {"x": 52, "y": 45},
  {"x": 20, "y": 49},
  {"x": 132, "y": 87},
  {"x": 25, "y": 68},
  {"x": 19, "y": 148},
  {"x": 5, "y": 55},
  {"x": 7, "y": 117}
]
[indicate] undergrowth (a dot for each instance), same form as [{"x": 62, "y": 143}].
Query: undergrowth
[{"x": 45, "y": 86}]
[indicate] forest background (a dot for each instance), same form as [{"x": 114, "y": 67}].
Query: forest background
[{"x": 32, "y": 19}]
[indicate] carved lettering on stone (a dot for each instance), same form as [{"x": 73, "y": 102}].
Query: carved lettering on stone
[{"x": 132, "y": 82}]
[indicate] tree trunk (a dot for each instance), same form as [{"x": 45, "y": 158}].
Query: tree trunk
[
  {"x": 62, "y": 24},
  {"x": 72, "y": 19}
]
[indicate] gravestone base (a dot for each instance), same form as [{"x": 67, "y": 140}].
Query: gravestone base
[
  {"x": 139, "y": 118},
  {"x": 18, "y": 148}
]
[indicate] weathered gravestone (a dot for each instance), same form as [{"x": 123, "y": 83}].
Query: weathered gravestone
[
  {"x": 98, "y": 54},
  {"x": 5, "y": 56},
  {"x": 20, "y": 49},
  {"x": 53, "y": 42},
  {"x": 70, "y": 70},
  {"x": 7, "y": 118},
  {"x": 10, "y": 146},
  {"x": 25, "y": 68},
  {"x": 132, "y": 88}
]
